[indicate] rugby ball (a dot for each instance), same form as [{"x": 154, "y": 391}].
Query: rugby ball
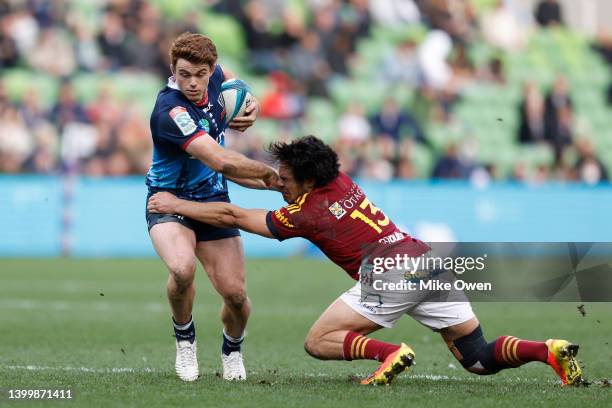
[{"x": 235, "y": 98}]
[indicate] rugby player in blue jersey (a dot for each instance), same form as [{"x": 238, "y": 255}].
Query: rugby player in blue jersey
[{"x": 189, "y": 160}]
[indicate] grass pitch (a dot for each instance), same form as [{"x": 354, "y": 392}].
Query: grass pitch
[{"x": 102, "y": 329}]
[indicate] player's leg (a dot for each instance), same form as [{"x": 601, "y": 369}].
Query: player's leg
[
  {"x": 340, "y": 334},
  {"x": 335, "y": 334},
  {"x": 175, "y": 245},
  {"x": 466, "y": 342},
  {"x": 223, "y": 260}
]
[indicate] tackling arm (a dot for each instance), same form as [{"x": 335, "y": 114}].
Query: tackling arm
[
  {"x": 224, "y": 215},
  {"x": 232, "y": 164}
]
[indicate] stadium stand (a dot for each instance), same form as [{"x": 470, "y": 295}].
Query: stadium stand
[{"x": 322, "y": 67}]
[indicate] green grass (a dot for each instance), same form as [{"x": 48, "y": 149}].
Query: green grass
[{"x": 53, "y": 317}]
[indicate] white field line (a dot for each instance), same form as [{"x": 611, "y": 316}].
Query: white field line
[
  {"x": 108, "y": 370},
  {"x": 117, "y": 370}
]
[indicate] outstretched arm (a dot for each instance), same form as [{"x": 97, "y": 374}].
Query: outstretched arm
[
  {"x": 178, "y": 126},
  {"x": 254, "y": 183},
  {"x": 232, "y": 164},
  {"x": 224, "y": 215}
]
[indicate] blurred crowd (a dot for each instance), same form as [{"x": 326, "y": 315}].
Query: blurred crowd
[
  {"x": 301, "y": 56},
  {"x": 105, "y": 137}
]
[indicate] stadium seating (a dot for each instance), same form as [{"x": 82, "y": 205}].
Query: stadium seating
[{"x": 484, "y": 112}]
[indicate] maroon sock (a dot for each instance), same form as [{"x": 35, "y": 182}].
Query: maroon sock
[
  {"x": 513, "y": 352},
  {"x": 358, "y": 347}
]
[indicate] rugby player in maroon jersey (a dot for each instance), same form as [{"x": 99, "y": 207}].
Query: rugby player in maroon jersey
[{"x": 329, "y": 209}]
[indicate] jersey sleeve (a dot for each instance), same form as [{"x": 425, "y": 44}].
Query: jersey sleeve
[
  {"x": 287, "y": 223},
  {"x": 178, "y": 126}
]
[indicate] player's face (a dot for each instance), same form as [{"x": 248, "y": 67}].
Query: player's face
[
  {"x": 290, "y": 189},
  {"x": 192, "y": 79}
]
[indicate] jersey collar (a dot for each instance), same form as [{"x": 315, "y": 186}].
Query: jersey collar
[{"x": 172, "y": 83}]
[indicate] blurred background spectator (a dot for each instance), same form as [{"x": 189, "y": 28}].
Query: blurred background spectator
[
  {"x": 532, "y": 129},
  {"x": 501, "y": 28},
  {"x": 469, "y": 89},
  {"x": 392, "y": 123},
  {"x": 559, "y": 116},
  {"x": 548, "y": 13},
  {"x": 589, "y": 168}
]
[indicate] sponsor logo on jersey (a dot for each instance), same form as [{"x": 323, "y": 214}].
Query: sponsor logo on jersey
[
  {"x": 208, "y": 107},
  {"x": 203, "y": 123},
  {"x": 337, "y": 210},
  {"x": 352, "y": 198},
  {"x": 392, "y": 238},
  {"x": 282, "y": 219},
  {"x": 183, "y": 120},
  {"x": 211, "y": 119}
]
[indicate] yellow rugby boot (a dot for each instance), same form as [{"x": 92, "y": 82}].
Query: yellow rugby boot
[
  {"x": 562, "y": 358},
  {"x": 393, "y": 365}
]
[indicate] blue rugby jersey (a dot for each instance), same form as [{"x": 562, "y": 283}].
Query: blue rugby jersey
[{"x": 176, "y": 122}]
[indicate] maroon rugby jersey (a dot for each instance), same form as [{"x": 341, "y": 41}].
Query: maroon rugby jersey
[{"x": 340, "y": 220}]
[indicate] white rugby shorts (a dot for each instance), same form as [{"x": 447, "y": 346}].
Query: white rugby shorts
[{"x": 433, "y": 314}]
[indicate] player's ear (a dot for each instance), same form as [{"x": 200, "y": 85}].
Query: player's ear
[{"x": 172, "y": 69}]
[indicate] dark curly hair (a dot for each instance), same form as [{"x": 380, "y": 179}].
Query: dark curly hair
[{"x": 308, "y": 158}]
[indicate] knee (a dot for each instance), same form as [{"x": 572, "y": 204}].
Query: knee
[
  {"x": 312, "y": 345},
  {"x": 474, "y": 354},
  {"x": 182, "y": 273},
  {"x": 236, "y": 299}
]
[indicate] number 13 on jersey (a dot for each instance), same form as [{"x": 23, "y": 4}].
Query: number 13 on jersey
[{"x": 356, "y": 214}]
